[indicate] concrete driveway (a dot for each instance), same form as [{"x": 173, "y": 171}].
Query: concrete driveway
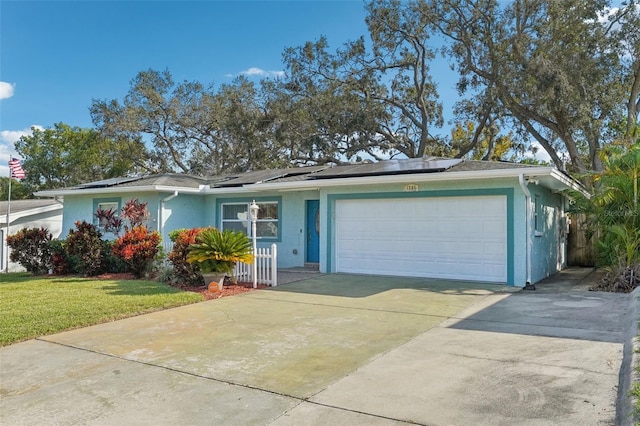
[{"x": 333, "y": 349}]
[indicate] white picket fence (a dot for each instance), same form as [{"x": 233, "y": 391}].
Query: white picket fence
[
  {"x": 266, "y": 258},
  {"x": 167, "y": 246},
  {"x": 267, "y": 267}
]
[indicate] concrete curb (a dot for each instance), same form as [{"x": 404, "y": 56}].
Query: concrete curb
[{"x": 625, "y": 414}]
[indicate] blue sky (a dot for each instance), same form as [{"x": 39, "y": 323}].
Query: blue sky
[{"x": 56, "y": 56}]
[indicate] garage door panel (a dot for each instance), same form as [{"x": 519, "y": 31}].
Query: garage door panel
[
  {"x": 443, "y": 237},
  {"x": 493, "y": 227},
  {"x": 492, "y": 270},
  {"x": 498, "y": 250}
]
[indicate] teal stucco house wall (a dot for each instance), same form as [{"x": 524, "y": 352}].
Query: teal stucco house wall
[{"x": 427, "y": 217}]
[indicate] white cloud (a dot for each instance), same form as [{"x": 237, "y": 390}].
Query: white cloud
[
  {"x": 12, "y": 136},
  {"x": 603, "y": 15},
  {"x": 254, "y": 71},
  {"x": 258, "y": 72},
  {"x": 7, "y": 149},
  {"x": 6, "y": 90},
  {"x": 537, "y": 152}
]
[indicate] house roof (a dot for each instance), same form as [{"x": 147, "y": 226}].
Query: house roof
[
  {"x": 301, "y": 178},
  {"x": 477, "y": 165},
  {"x": 22, "y": 208},
  {"x": 167, "y": 179},
  {"x": 263, "y": 176},
  {"x": 389, "y": 167}
]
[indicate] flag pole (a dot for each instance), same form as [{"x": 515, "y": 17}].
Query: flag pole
[
  {"x": 6, "y": 246},
  {"x": 15, "y": 171}
]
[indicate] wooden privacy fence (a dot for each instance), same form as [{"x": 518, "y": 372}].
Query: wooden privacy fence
[
  {"x": 581, "y": 250},
  {"x": 267, "y": 267}
]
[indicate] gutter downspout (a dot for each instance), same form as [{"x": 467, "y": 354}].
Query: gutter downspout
[
  {"x": 161, "y": 212},
  {"x": 527, "y": 196}
]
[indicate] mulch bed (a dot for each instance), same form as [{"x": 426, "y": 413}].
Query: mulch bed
[
  {"x": 619, "y": 280},
  {"x": 228, "y": 289}
]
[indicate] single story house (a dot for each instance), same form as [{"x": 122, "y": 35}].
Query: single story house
[
  {"x": 27, "y": 214},
  {"x": 426, "y": 217}
]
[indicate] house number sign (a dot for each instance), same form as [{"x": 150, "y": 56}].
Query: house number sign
[{"x": 412, "y": 187}]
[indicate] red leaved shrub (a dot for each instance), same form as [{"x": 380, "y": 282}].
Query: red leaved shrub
[
  {"x": 185, "y": 272},
  {"x": 137, "y": 248},
  {"x": 30, "y": 248}
]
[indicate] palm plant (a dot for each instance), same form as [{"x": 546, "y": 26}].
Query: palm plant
[
  {"x": 218, "y": 251},
  {"x": 616, "y": 206}
]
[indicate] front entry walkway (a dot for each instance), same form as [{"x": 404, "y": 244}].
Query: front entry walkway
[{"x": 332, "y": 349}]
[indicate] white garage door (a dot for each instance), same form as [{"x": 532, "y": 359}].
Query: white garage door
[{"x": 461, "y": 238}]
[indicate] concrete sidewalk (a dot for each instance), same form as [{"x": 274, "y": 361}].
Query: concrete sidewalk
[{"x": 334, "y": 349}]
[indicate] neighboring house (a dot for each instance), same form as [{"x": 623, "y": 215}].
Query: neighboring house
[
  {"x": 27, "y": 214},
  {"x": 426, "y": 217}
]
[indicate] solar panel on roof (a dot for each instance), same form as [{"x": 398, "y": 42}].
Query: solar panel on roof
[
  {"x": 253, "y": 177},
  {"x": 261, "y": 176},
  {"x": 389, "y": 167},
  {"x": 296, "y": 171},
  {"x": 108, "y": 182}
]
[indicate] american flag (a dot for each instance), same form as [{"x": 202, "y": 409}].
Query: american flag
[{"x": 17, "y": 171}]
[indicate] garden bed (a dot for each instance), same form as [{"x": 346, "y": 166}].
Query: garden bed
[
  {"x": 619, "y": 280},
  {"x": 227, "y": 290}
]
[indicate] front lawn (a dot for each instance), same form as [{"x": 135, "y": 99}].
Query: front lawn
[{"x": 35, "y": 306}]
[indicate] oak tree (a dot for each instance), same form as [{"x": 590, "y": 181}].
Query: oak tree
[{"x": 64, "y": 156}]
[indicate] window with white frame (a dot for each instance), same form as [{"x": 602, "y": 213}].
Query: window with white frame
[
  {"x": 105, "y": 205},
  {"x": 236, "y": 216}
]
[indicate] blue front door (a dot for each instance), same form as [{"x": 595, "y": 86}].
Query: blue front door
[{"x": 313, "y": 231}]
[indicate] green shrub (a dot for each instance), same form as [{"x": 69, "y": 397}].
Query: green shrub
[
  {"x": 86, "y": 250},
  {"x": 113, "y": 263},
  {"x": 173, "y": 235},
  {"x": 30, "y": 248},
  {"x": 619, "y": 246},
  {"x": 60, "y": 263},
  {"x": 164, "y": 271},
  {"x": 613, "y": 210}
]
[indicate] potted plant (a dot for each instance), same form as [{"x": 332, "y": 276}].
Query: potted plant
[{"x": 216, "y": 253}]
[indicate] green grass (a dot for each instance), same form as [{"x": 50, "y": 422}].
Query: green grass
[{"x": 36, "y": 306}]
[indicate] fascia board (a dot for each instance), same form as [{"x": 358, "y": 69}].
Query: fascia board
[
  {"x": 130, "y": 189},
  {"x": 569, "y": 182},
  {"x": 232, "y": 190},
  {"x": 113, "y": 190}
]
